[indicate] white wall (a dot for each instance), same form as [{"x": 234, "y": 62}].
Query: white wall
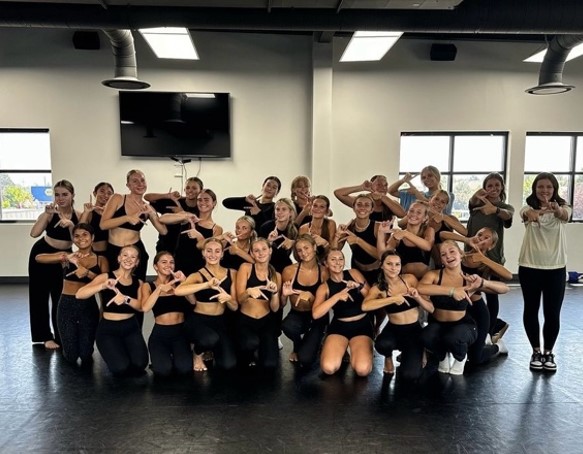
[
  {"x": 482, "y": 90},
  {"x": 45, "y": 82}
]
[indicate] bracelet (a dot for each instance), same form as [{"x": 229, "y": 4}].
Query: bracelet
[
  {"x": 452, "y": 291},
  {"x": 127, "y": 300}
]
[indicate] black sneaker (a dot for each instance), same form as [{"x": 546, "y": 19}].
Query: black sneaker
[
  {"x": 536, "y": 361},
  {"x": 549, "y": 362}
]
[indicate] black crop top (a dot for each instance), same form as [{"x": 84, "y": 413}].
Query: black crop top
[
  {"x": 306, "y": 288},
  {"x": 58, "y": 232},
  {"x": 448, "y": 303},
  {"x": 127, "y": 290},
  {"x": 71, "y": 268},
  {"x": 121, "y": 211},
  {"x": 205, "y": 295},
  {"x": 166, "y": 304},
  {"x": 398, "y": 308},
  {"x": 254, "y": 281},
  {"x": 348, "y": 308}
]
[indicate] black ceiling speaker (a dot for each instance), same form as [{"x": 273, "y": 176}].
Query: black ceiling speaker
[
  {"x": 443, "y": 52},
  {"x": 86, "y": 40}
]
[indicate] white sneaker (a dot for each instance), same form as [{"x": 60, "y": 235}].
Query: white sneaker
[
  {"x": 279, "y": 344},
  {"x": 502, "y": 348},
  {"x": 445, "y": 364},
  {"x": 457, "y": 367}
]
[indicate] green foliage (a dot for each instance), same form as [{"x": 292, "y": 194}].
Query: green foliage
[{"x": 15, "y": 196}]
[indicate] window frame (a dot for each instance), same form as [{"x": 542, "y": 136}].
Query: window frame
[
  {"x": 450, "y": 174},
  {"x": 4, "y": 171},
  {"x": 572, "y": 173}
]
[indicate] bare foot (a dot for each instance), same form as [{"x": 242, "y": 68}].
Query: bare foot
[
  {"x": 199, "y": 365},
  {"x": 293, "y": 357},
  {"x": 51, "y": 345},
  {"x": 389, "y": 366}
]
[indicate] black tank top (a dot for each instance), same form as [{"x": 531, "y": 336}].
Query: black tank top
[
  {"x": 127, "y": 290},
  {"x": 121, "y": 211},
  {"x": 254, "y": 281},
  {"x": 205, "y": 295},
  {"x": 232, "y": 261},
  {"x": 166, "y": 304},
  {"x": 348, "y": 308},
  {"x": 58, "y": 232},
  {"x": 448, "y": 303},
  {"x": 188, "y": 257},
  {"x": 412, "y": 254},
  {"x": 100, "y": 235},
  {"x": 306, "y": 288},
  {"x": 359, "y": 254}
]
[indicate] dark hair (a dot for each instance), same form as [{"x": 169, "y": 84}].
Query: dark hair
[
  {"x": 209, "y": 192},
  {"x": 159, "y": 255},
  {"x": 99, "y": 185},
  {"x": 84, "y": 226},
  {"x": 496, "y": 176},
  {"x": 274, "y": 178},
  {"x": 195, "y": 180},
  {"x": 532, "y": 199},
  {"x": 381, "y": 281}
]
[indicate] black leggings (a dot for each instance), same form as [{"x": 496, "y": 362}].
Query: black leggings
[
  {"x": 551, "y": 285},
  {"x": 169, "y": 350},
  {"x": 455, "y": 337},
  {"x": 479, "y": 352},
  {"x": 407, "y": 339},
  {"x": 305, "y": 333},
  {"x": 44, "y": 281},
  {"x": 209, "y": 333},
  {"x": 259, "y": 335},
  {"x": 122, "y": 346},
  {"x": 77, "y": 321}
]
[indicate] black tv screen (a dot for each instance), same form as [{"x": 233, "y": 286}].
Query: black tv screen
[{"x": 175, "y": 125}]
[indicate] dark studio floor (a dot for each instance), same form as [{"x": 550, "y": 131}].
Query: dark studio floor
[{"x": 48, "y": 406}]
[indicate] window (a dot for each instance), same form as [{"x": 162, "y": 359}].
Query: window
[
  {"x": 25, "y": 173},
  {"x": 463, "y": 158},
  {"x": 561, "y": 154}
]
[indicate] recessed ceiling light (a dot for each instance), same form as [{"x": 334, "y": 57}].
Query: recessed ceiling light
[
  {"x": 170, "y": 42},
  {"x": 369, "y": 46}
]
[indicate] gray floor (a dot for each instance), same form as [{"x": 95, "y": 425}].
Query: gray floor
[{"x": 48, "y": 406}]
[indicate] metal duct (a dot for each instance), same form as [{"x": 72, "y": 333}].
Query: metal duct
[
  {"x": 550, "y": 79},
  {"x": 124, "y": 52},
  {"x": 475, "y": 16}
]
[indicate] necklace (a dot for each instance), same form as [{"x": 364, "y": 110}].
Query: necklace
[{"x": 361, "y": 229}]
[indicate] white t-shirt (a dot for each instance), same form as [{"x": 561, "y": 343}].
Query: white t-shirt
[{"x": 544, "y": 245}]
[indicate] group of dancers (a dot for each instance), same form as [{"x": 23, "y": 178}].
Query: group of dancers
[{"x": 219, "y": 295}]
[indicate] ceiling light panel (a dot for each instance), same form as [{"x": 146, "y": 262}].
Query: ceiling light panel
[
  {"x": 170, "y": 42},
  {"x": 369, "y": 46}
]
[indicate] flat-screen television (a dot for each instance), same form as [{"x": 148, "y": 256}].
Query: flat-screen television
[{"x": 175, "y": 125}]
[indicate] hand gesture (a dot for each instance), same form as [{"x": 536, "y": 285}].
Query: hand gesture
[
  {"x": 367, "y": 186},
  {"x": 286, "y": 244},
  {"x": 287, "y": 289},
  {"x": 273, "y": 235},
  {"x": 252, "y": 207},
  {"x": 487, "y": 208},
  {"x": 88, "y": 206},
  {"x": 51, "y": 208}
]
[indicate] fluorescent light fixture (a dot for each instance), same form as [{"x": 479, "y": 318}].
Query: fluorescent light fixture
[
  {"x": 369, "y": 46},
  {"x": 200, "y": 95},
  {"x": 170, "y": 42},
  {"x": 577, "y": 51}
]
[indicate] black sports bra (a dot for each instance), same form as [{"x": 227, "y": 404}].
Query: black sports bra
[
  {"x": 205, "y": 295},
  {"x": 121, "y": 211},
  {"x": 254, "y": 281},
  {"x": 168, "y": 303},
  {"x": 348, "y": 308},
  {"x": 398, "y": 308},
  {"x": 448, "y": 303},
  {"x": 306, "y": 288},
  {"x": 71, "y": 268},
  {"x": 58, "y": 232},
  {"x": 127, "y": 290}
]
